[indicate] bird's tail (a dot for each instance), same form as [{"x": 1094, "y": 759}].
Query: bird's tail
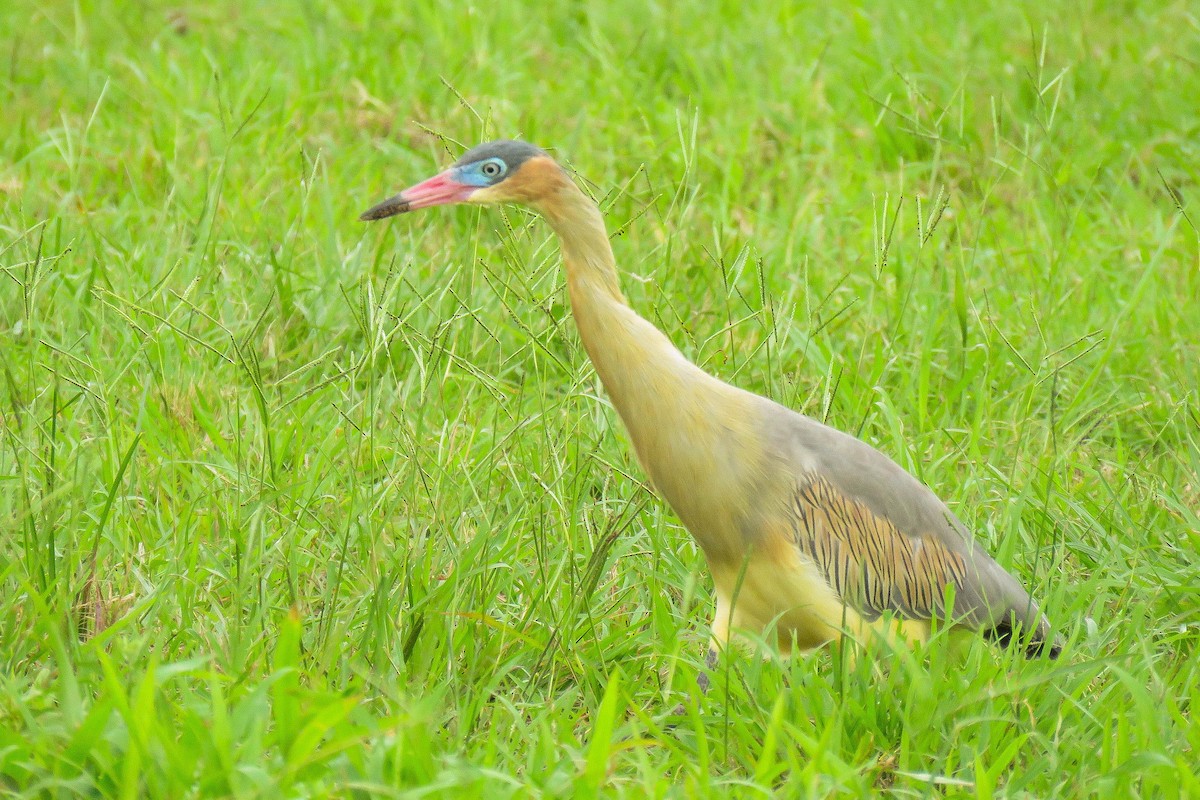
[{"x": 1040, "y": 642}]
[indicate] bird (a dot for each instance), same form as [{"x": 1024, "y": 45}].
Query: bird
[{"x": 810, "y": 534}]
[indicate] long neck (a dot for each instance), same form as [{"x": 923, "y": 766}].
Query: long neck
[
  {"x": 586, "y": 252},
  {"x": 632, "y": 357},
  {"x": 692, "y": 433}
]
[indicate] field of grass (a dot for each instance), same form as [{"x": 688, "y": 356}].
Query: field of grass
[{"x": 293, "y": 506}]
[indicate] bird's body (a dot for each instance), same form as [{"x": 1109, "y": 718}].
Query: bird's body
[{"x": 806, "y": 530}]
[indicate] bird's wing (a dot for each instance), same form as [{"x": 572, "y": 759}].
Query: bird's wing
[
  {"x": 882, "y": 540},
  {"x": 872, "y": 565}
]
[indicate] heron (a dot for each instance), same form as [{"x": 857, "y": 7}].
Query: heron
[{"x": 809, "y": 533}]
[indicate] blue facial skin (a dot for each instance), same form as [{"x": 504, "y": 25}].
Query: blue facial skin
[{"x": 484, "y": 173}]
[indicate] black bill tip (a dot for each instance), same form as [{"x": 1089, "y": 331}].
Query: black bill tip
[{"x": 388, "y": 208}]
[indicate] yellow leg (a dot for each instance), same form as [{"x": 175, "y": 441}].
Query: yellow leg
[{"x": 722, "y": 623}]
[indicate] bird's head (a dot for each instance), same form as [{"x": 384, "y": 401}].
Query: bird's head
[{"x": 504, "y": 171}]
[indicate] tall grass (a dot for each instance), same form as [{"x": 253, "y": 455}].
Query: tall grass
[{"x": 290, "y": 506}]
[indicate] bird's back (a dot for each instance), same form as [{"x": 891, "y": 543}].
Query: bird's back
[{"x": 880, "y": 538}]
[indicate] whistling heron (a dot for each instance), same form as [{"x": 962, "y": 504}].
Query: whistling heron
[{"x": 803, "y": 527}]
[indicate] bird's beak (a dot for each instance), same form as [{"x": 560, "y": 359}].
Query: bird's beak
[{"x": 439, "y": 190}]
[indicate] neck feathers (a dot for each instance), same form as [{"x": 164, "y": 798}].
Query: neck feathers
[
  {"x": 678, "y": 417},
  {"x": 580, "y": 227},
  {"x": 621, "y": 345}
]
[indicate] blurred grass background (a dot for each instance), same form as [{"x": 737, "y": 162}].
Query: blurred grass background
[{"x": 294, "y": 506}]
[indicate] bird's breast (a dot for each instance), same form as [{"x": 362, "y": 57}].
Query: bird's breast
[
  {"x": 699, "y": 439},
  {"x": 697, "y": 444}
]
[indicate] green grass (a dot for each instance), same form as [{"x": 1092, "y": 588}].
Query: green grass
[{"x": 294, "y": 506}]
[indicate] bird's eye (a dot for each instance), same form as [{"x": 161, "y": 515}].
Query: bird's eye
[{"x": 492, "y": 169}]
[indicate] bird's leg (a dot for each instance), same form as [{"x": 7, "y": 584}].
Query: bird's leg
[
  {"x": 722, "y": 620},
  {"x": 710, "y": 664},
  {"x": 703, "y": 679}
]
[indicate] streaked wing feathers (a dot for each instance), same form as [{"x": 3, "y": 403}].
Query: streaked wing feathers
[
  {"x": 870, "y": 563},
  {"x": 882, "y": 539}
]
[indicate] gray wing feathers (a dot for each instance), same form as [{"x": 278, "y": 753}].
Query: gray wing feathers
[{"x": 884, "y": 541}]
